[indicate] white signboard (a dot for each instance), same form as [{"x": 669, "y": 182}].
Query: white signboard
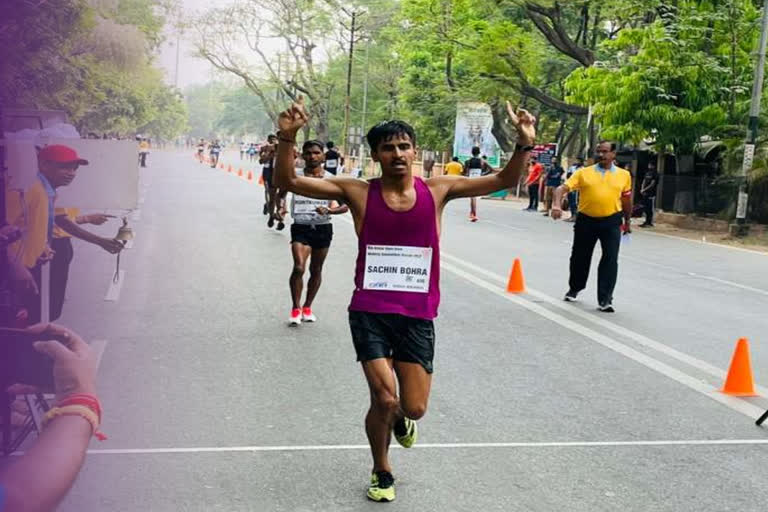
[
  {"x": 474, "y": 122},
  {"x": 397, "y": 268},
  {"x": 110, "y": 181}
]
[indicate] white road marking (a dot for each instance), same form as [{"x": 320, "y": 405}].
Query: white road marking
[
  {"x": 427, "y": 446},
  {"x": 690, "y": 382},
  {"x": 607, "y": 324}
]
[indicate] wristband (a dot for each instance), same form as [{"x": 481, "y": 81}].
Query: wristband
[
  {"x": 76, "y": 410},
  {"x": 520, "y": 147}
]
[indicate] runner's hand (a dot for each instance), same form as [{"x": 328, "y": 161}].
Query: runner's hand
[
  {"x": 292, "y": 120},
  {"x": 557, "y": 213},
  {"x": 525, "y": 123},
  {"x": 322, "y": 210},
  {"x": 22, "y": 278}
]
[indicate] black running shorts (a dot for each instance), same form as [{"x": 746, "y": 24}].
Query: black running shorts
[
  {"x": 398, "y": 337},
  {"x": 266, "y": 173},
  {"x": 317, "y": 237}
]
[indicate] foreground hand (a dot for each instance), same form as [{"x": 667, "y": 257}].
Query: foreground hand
[
  {"x": 293, "y": 119},
  {"x": 74, "y": 363},
  {"x": 556, "y": 213},
  {"x": 322, "y": 210},
  {"x": 525, "y": 123}
]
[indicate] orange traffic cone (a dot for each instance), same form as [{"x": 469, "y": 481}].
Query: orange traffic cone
[
  {"x": 516, "y": 282},
  {"x": 229, "y": 168},
  {"x": 739, "y": 381},
  {"x": 261, "y": 179},
  {"x": 221, "y": 166},
  {"x": 250, "y": 176},
  {"x": 240, "y": 172}
]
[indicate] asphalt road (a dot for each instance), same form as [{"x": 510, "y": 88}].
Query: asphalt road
[{"x": 213, "y": 404}]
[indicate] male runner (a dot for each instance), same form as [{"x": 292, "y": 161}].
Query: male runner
[
  {"x": 311, "y": 235},
  {"x": 332, "y": 159},
  {"x": 215, "y": 150},
  {"x": 200, "y": 150},
  {"x": 267, "y": 161},
  {"x": 397, "y": 289},
  {"x": 474, "y": 168}
]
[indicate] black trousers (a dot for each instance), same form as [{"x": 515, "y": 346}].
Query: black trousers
[
  {"x": 60, "y": 274},
  {"x": 648, "y": 204},
  {"x": 533, "y": 196},
  {"x": 586, "y": 232}
]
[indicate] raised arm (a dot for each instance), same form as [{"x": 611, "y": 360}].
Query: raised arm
[
  {"x": 508, "y": 177},
  {"x": 290, "y": 122}
]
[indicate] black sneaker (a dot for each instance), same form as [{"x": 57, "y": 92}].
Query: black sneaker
[
  {"x": 271, "y": 222},
  {"x": 606, "y": 307},
  {"x": 266, "y": 209},
  {"x": 280, "y": 225},
  {"x": 571, "y": 296}
]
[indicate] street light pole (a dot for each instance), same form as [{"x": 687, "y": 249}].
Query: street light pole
[
  {"x": 365, "y": 106},
  {"x": 751, "y": 139},
  {"x": 349, "y": 86}
]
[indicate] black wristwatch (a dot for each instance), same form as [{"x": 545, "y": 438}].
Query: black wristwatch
[{"x": 520, "y": 147}]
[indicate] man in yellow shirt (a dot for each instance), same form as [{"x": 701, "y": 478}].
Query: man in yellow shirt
[
  {"x": 34, "y": 213},
  {"x": 454, "y": 167},
  {"x": 605, "y": 197}
]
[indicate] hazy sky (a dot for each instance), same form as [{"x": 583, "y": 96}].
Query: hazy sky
[{"x": 192, "y": 70}]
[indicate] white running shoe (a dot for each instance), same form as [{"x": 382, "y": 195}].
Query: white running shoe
[
  {"x": 307, "y": 315},
  {"x": 295, "y": 317}
]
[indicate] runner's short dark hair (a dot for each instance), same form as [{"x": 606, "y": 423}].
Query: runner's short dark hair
[
  {"x": 475, "y": 150},
  {"x": 308, "y": 144},
  {"x": 613, "y": 144},
  {"x": 329, "y": 144},
  {"x": 386, "y": 130}
]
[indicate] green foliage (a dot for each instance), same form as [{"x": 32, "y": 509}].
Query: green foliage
[{"x": 673, "y": 80}]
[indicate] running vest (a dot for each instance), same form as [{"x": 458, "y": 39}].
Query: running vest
[
  {"x": 304, "y": 210},
  {"x": 398, "y": 259},
  {"x": 475, "y": 166}
]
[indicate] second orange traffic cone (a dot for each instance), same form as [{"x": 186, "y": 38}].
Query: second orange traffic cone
[
  {"x": 250, "y": 176},
  {"x": 240, "y": 172},
  {"x": 739, "y": 381},
  {"x": 229, "y": 168},
  {"x": 516, "y": 282},
  {"x": 261, "y": 179}
]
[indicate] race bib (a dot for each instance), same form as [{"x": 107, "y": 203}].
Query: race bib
[
  {"x": 331, "y": 164},
  {"x": 397, "y": 268},
  {"x": 306, "y": 205},
  {"x": 475, "y": 173}
]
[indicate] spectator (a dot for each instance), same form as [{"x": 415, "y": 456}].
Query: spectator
[
  {"x": 535, "y": 170},
  {"x": 554, "y": 179},
  {"x": 648, "y": 194},
  {"x": 573, "y": 195},
  {"x": 143, "y": 151},
  {"x": 454, "y": 167},
  {"x": 41, "y": 478}
]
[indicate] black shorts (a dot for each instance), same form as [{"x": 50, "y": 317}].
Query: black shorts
[
  {"x": 398, "y": 337},
  {"x": 266, "y": 173},
  {"x": 317, "y": 237}
]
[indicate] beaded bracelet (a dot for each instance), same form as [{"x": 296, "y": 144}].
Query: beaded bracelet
[{"x": 76, "y": 410}]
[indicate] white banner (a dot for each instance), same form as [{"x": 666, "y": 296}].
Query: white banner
[{"x": 474, "y": 122}]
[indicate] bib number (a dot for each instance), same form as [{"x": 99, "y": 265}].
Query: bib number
[
  {"x": 397, "y": 268},
  {"x": 475, "y": 173}
]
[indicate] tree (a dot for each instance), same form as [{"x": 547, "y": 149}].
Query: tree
[{"x": 673, "y": 80}]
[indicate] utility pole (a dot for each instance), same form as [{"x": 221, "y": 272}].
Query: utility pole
[
  {"x": 365, "y": 106},
  {"x": 741, "y": 228},
  {"x": 352, "y": 29}
]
